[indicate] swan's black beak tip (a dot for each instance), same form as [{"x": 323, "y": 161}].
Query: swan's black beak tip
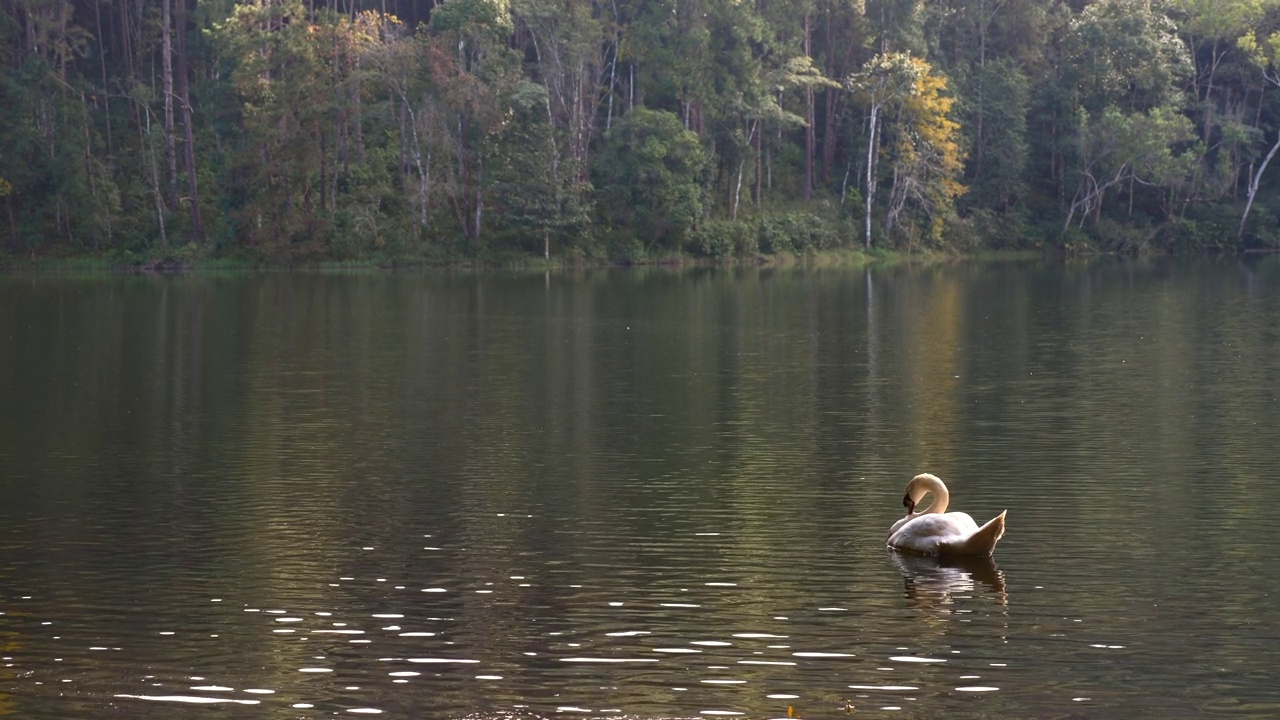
[{"x": 908, "y": 504}]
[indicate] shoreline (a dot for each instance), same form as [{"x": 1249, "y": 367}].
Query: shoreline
[{"x": 840, "y": 258}]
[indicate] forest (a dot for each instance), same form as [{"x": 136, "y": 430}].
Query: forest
[{"x": 565, "y": 131}]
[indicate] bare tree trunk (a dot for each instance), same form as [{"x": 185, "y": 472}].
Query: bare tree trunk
[
  {"x": 170, "y": 146},
  {"x": 757, "y": 139},
  {"x": 357, "y": 112},
  {"x": 479, "y": 195},
  {"x": 155, "y": 184},
  {"x": 809, "y": 136},
  {"x": 832, "y": 96},
  {"x": 1208, "y": 93},
  {"x": 130, "y": 35},
  {"x": 871, "y": 175},
  {"x": 125, "y": 45},
  {"x": 188, "y": 133},
  {"x": 829, "y": 133},
  {"x": 13, "y": 223},
  {"x": 342, "y": 138},
  {"x": 424, "y": 180},
  {"x": 91, "y": 172},
  {"x": 737, "y": 191},
  {"x": 613, "y": 65},
  {"x": 844, "y": 184},
  {"x": 102, "y": 58},
  {"x": 1253, "y": 187},
  {"x": 895, "y": 204},
  {"x": 324, "y": 174}
]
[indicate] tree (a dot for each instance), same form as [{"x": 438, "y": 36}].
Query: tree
[
  {"x": 1265, "y": 52},
  {"x": 1119, "y": 147},
  {"x": 650, "y": 177},
  {"x": 1126, "y": 53},
  {"x": 885, "y": 80},
  {"x": 167, "y": 95},
  {"x": 927, "y": 159},
  {"x": 1212, "y": 28},
  {"x": 996, "y": 115},
  {"x": 1128, "y": 67},
  {"x": 398, "y": 61},
  {"x": 575, "y": 60},
  {"x": 336, "y": 128},
  {"x": 285, "y": 98},
  {"x": 532, "y": 200},
  {"x": 62, "y": 192},
  {"x": 183, "y": 91},
  {"x": 471, "y": 66},
  {"x": 569, "y": 49}
]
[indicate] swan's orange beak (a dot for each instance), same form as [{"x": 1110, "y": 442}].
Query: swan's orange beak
[{"x": 909, "y": 504}]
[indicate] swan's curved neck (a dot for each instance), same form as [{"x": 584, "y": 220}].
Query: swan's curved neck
[{"x": 925, "y": 484}]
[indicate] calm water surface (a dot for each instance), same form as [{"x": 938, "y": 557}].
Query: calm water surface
[{"x": 646, "y": 494}]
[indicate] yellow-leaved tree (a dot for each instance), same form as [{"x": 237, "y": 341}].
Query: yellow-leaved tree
[
  {"x": 927, "y": 160},
  {"x": 910, "y": 128}
]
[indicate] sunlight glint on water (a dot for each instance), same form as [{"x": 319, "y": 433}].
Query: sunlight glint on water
[{"x": 649, "y": 494}]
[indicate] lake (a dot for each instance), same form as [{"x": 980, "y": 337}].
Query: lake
[{"x": 640, "y": 493}]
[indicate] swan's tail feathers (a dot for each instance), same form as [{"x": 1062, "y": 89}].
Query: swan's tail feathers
[{"x": 982, "y": 542}]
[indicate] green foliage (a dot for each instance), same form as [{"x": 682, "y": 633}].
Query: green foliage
[
  {"x": 885, "y": 78},
  {"x": 1127, "y": 52},
  {"x": 649, "y": 178},
  {"x": 1137, "y": 148},
  {"x": 487, "y": 129},
  {"x": 491, "y": 16},
  {"x": 1211, "y": 228},
  {"x": 535, "y": 207},
  {"x": 996, "y": 117},
  {"x": 724, "y": 239},
  {"x": 799, "y": 232},
  {"x": 1001, "y": 231}
]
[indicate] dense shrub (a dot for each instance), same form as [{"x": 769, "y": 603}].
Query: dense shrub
[{"x": 726, "y": 239}]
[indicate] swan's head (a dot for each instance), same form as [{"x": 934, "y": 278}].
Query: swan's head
[{"x": 921, "y": 485}]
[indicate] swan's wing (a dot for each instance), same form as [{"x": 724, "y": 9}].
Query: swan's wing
[
  {"x": 896, "y": 526},
  {"x": 947, "y": 524},
  {"x": 924, "y": 533},
  {"x": 981, "y": 541}
]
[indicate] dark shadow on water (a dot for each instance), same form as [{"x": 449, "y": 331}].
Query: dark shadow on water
[{"x": 935, "y": 583}]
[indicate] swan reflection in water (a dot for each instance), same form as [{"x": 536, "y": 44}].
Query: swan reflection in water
[{"x": 933, "y": 583}]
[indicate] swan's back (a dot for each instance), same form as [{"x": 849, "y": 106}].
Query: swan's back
[{"x": 953, "y": 533}]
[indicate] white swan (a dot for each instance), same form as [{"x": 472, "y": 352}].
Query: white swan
[{"x": 934, "y": 531}]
